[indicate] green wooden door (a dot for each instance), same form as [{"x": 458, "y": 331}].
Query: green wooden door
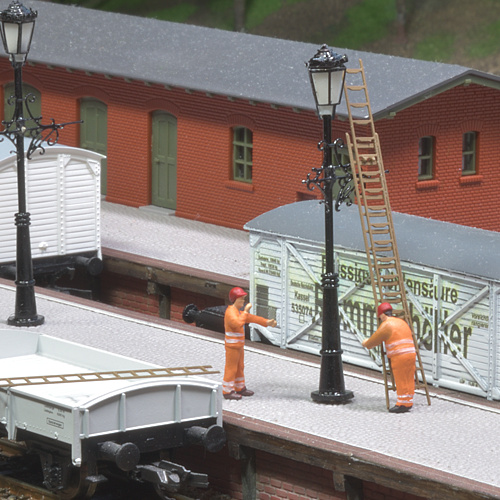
[
  {"x": 164, "y": 160},
  {"x": 94, "y": 132}
]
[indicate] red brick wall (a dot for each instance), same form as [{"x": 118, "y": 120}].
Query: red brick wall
[
  {"x": 128, "y": 293},
  {"x": 277, "y": 478},
  {"x": 466, "y": 200},
  {"x": 181, "y": 298},
  {"x": 373, "y": 491},
  {"x": 284, "y": 147},
  {"x": 205, "y": 191},
  {"x": 132, "y": 294}
]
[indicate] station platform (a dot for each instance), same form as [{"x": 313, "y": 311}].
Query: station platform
[
  {"x": 446, "y": 450},
  {"x": 157, "y": 234}
]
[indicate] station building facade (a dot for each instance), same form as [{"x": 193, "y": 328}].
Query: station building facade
[{"x": 221, "y": 127}]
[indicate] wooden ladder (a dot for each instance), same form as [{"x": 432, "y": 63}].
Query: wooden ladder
[
  {"x": 376, "y": 217},
  {"x": 105, "y": 376}
]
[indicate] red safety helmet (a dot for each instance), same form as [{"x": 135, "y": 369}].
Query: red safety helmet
[
  {"x": 383, "y": 308},
  {"x": 236, "y": 293}
]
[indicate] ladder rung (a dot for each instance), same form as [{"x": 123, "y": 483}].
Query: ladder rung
[
  {"x": 385, "y": 277},
  {"x": 358, "y": 104},
  {"x": 367, "y": 180},
  {"x": 362, "y": 122},
  {"x": 355, "y": 88}
]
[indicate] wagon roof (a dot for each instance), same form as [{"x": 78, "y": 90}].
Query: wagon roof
[
  {"x": 437, "y": 244},
  {"x": 8, "y": 151},
  {"x": 238, "y": 65}
]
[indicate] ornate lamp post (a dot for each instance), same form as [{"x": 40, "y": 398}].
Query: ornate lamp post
[
  {"x": 327, "y": 74},
  {"x": 16, "y": 29}
]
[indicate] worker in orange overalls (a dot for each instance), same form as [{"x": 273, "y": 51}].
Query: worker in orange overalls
[
  {"x": 233, "y": 385},
  {"x": 400, "y": 348}
]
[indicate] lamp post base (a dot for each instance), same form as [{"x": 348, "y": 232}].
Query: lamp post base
[
  {"x": 34, "y": 321},
  {"x": 332, "y": 398}
]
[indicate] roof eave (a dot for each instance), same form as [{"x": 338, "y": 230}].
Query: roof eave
[{"x": 466, "y": 78}]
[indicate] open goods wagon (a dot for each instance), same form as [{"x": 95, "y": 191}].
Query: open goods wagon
[{"x": 82, "y": 428}]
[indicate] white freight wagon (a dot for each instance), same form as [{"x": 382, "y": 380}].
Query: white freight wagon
[
  {"x": 452, "y": 280},
  {"x": 80, "y": 422},
  {"x": 63, "y": 198}
]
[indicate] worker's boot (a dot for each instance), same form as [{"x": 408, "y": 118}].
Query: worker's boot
[
  {"x": 232, "y": 395},
  {"x": 400, "y": 409},
  {"x": 245, "y": 392}
]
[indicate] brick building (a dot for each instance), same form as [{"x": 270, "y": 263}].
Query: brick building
[{"x": 221, "y": 126}]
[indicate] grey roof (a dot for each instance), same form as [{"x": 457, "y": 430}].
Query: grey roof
[
  {"x": 441, "y": 245},
  {"x": 238, "y": 65}
]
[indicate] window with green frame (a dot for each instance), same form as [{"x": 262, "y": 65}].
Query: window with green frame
[
  {"x": 469, "y": 148},
  {"x": 242, "y": 154},
  {"x": 426, "y": 158}
]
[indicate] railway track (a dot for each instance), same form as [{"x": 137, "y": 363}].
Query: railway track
[{"x": 20, "y": 478}]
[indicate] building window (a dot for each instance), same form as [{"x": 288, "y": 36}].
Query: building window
[
  {"x": 242, "y": 154},
  {"x": 469, "y": 147},
  {"x": 425, "y": 158}
]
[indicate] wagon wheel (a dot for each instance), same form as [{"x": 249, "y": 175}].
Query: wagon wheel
[{"x": 79, "y": 487}]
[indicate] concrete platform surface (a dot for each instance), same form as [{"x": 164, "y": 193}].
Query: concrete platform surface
[{"x": 158, "y": 234}]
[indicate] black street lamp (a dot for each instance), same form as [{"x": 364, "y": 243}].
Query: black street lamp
[
  {"x": 327, "y": 74},
  {"x": 16, "y": 29}
]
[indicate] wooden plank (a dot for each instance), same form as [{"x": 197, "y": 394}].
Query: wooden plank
[{"x": 177, "y": 276}]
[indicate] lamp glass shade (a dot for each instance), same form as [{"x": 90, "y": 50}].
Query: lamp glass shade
[
  {"x": 327, "y": 87},
  {"x": 17, "y": 24},
  {"x": 16, "y": 39}
]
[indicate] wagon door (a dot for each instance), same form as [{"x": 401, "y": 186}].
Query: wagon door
[{"x": 164, "y": 160}]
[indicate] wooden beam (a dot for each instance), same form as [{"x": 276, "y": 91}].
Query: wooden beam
[{"x": 173, "y": 275}]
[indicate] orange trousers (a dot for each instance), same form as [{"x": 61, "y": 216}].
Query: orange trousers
[
  {"x": 403, "y": 369},
  {"x": 234, "y": 377}
]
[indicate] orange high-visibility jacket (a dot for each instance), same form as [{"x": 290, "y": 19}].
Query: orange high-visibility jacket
[
  {"x": 234, "y": 325},
  {"x": 397, "y": 336}
]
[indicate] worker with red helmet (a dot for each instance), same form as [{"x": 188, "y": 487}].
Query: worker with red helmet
[
  {"x": 400, "y": 349},
  {"x": 233, "y": 385}
]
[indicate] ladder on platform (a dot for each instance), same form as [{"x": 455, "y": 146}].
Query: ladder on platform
[
  {"x": 142, "y": 373},
  {"x": 376, "y": 217}
]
